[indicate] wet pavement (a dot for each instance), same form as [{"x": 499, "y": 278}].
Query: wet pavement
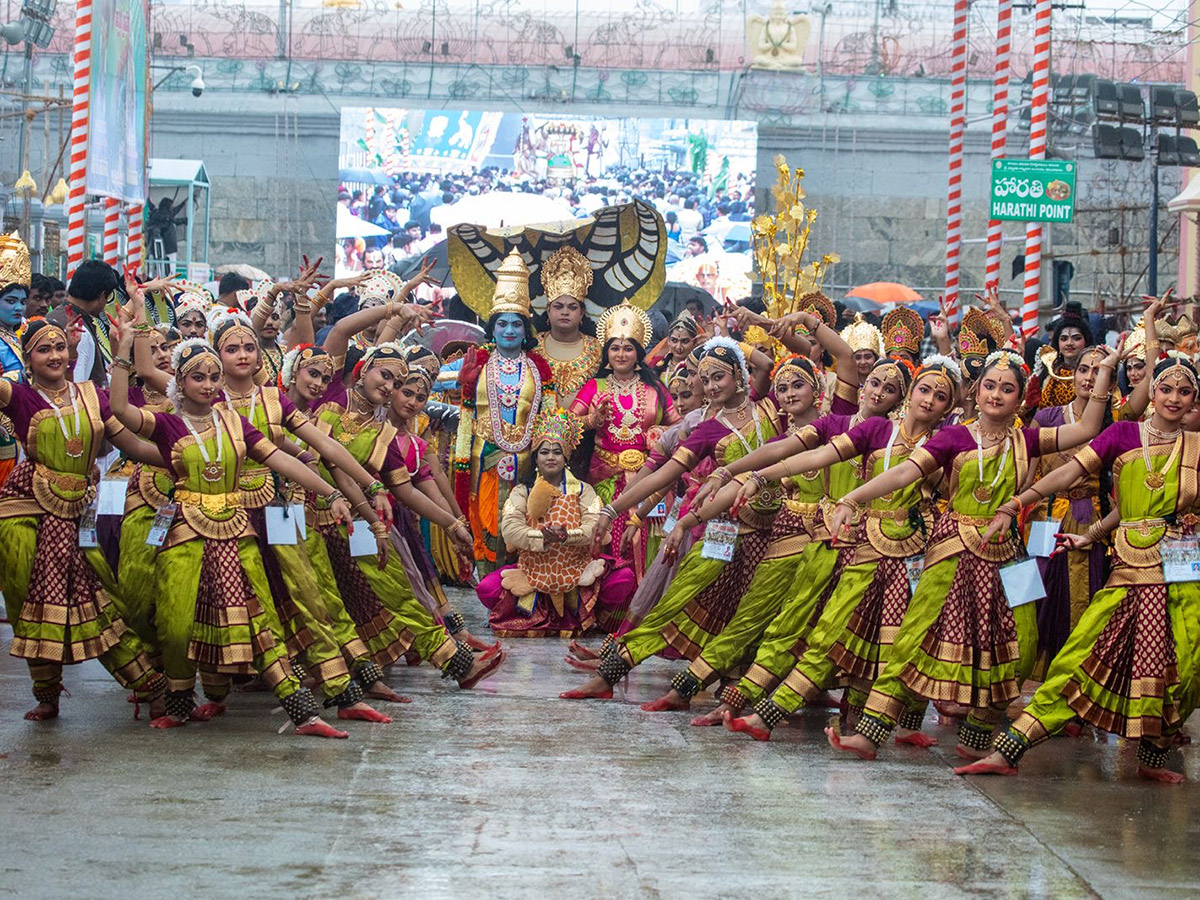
[{"x": 507, "y": 791}]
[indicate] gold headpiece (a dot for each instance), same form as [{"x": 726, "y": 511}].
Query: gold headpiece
[
  {"x": 224, "y": 323},
  {"x": 15, "y": 267},
  {"x": 1135, "y": 344},
  {"x": 816, "y": 302},
  {"x": 1175, "y": 367},
  {"x": 422, "y": 363},
  {"x": 568, "y": 272},
  {"x": 1176, "y": 333},
  {"x": 687, "y": 322},
  {"x": 190, "y": 297},
  {"x": 903, "y": 330},
  {"x": 679, "y": 373},
  {"x": 191, "y": 353},
  {"x": 724, "y": 353},
  {"x": 512, "y": 286},
  {"x": 558, "y": 427},
  {"x": 981, "y": 323},
  {"x": 795, "y": 365},
  {"x": 862, "y": 335},
  {"x": 381, "y": 285},
  {"x": 756, "y": 335},
  {"x": 299, "y": 356},
  {"x": 30, "y": 330},
  {"x": 625, "y": 321},
  {"x": 943, "y": 369}
]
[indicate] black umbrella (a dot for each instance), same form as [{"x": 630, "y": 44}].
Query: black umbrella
[
  {"x": 676, "y": 294},
  {"x": 411, "y": 265},
  {"x": 861, "y": 304}
]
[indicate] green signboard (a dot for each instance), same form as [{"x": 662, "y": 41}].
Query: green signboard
[{"x": 1033, "y": 190}]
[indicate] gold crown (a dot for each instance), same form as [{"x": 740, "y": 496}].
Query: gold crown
[
  {"x": 559, "y": 427},
  {"x": 15, "y": 267},
  {"x": 512, "y": 286},
  {"x": 1176, "y": 333},
  {"x": 566, "y": 272},
  {"x": 1135, "y": 344},
  {"x": 862, "y": 335},
  {"x": 971, "y": 344},
  {"x": 380, "y": 285},
  {"x": 817, "y": 302},
  {"x": 625, "y": 321},
  {"x": 982, "y": 324},
  {"x": 903, "y": 330}
]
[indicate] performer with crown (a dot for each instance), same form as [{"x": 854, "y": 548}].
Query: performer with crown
[
  {"x": 573, "y": 355},
  {"x": 903, "y": 331},
  {"x": 626, "y": 406},
  {"x": 555, "y": 588},
  {"x": 14, "y": 291},
  {"x": 867, "y": 343},
  {"x": 504, "y": 387}
]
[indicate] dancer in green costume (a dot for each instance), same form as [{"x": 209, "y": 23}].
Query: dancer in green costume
[
  {"x": 960, "y": 640},
  {"x": 1130, "y": 666}
]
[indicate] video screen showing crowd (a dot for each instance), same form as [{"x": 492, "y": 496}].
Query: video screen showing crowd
[{"x": 786, "y": 500}]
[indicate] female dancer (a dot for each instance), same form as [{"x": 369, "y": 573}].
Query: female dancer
[
  {"x": 960, "y": 640},
  {"x": 1052, "y": 383},
  {"x": 625, "y": 405},
  {"x": 212, "y": 588},
  {"x": 192, "y": 303},
  {"x": 574, "y": 356},
  {"x": 794, "y": 583},
  {"x": 704, "y": 594},
  {"x": 1129, "y": 666},
  {"x": 556, "y": 588},
  {"x": 681, "y": 339},
  {"x": 61, "y": 596},
  {"x": 867, "y": 601}
]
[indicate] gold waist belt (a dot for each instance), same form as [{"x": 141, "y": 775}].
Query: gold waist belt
[
  {"x": 63, "y": 480},
  {"x": 896, "y": 515},
  {"x": 626, "y": 460},
  {"x": 804, "y": 510},
  {"x": 977, "y": 521},
  {"x": 216, "y": 503}
]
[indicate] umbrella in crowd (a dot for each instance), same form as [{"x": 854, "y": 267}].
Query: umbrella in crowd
[
  {"x": 351, "y": 226},
  {"x": 885, "y": 293},
  {"x": 363, "y": 175},
  {"x": 675, "y": 296},
  {"x": 409, "y": 267},
  {"x": 861, "y": 304}
]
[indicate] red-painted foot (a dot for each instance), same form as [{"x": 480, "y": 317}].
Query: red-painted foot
[
  {"x": 167, "y": 722},
  {"x": 42, "y": 712},
  {"x": 985, "y": 768},
  {"x": 579, "y": 651},
  {"x": 916, "y": 739},
  {"x": 710, "y": 719},
  {"x": 970, "y": 753},
  {"x": 1163, "y": 776},
  {"x": 486, "y": 668},
  {"x": 491, "y": 651},
  {"x": 364, "y": 713},
  {"x": 835, "y": 741},
  {"x": 951, "y": 710},
  {"x": 318, "y": 728},
  {"x": 207, "y": 711},
  {"x": 741, "y": 726},
  {"x": 584, "y": 694},
  {"x": 380, "y": 691},
  {"x": 583, "y": 665},
  {"x": 476, "y": 644},
  {"x": 665, "y": 704}
]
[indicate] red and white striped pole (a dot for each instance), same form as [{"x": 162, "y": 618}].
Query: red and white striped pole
[
  {"x": 1037, "y": 150},
  {"x": 958, "y": 125},
  {"x": 76, "y": 212},
  {"x": 112, "y": 231},
  {"x": 135, "y": 250},
  {"x": 995, "y": 233}
]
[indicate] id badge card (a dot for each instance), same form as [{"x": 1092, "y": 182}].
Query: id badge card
[
  {"x": 672, "y": 516},
  {"x": 659, "y": 511},
  {"x": 87, "y": 527},
  {"x": 913, "y": 567},
  {"x": 1181, "y": 560},
  {"x": 1022, "y": 581},
  {"x": 110, "y": 498},
  {"x": 162, "y": 524},
  {"x": 720, "y": 536},
  {"x": 1041, "y": 537},
  {"x": 301, "y": 522},
  {"x": 362, "y": 542},
  {"x": 281, "y": 527}
]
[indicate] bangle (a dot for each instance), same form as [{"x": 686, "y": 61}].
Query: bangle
[
  {"x": 301, "y": 308},
  {"x": 463, "y": 521},
  {"x": 635, "y": 520},
  {"x": 853, "y": 505},
  {"x": 374, "y": 489},
  {"x": 607, "y": 510},
  {"x": 1014, "y": 512},
  {"x": 335, "y": 496},
  {"x": 757, "y": 477},
  {"x": 360, "y": 503},
  {"x": 1096, "y": 532},
  {"x": 379, "y": 529},
  {"x": 122, "y": 363},
  {"x": 141, "y": 335},
  {"x": 145, "y": 328},
  {"x": 722, "y": 473}
]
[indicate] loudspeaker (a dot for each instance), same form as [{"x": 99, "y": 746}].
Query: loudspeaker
[
  {"x": 1131, "y": 144},
  {"x": 1133, "y": 108},
  {"x": 1106, "y": 141},
  {"x": 1188, "y": 153},
  {"x": 1168, "y": 153}
]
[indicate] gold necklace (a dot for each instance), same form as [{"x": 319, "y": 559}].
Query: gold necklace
[{"x": 1156, "y": 479}]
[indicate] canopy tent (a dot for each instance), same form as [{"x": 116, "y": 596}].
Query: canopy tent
[{"x": 167, "y": 176}]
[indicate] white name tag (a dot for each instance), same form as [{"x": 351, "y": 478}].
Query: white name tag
[
  {"x": 913, "y": 567},
  {"x": 659, "y": 511},
  {"x": 110, "y": 498},
  {"x": 1181, "y": 560},
  {"x": 301, "y": 523},
  {"x": 1041, "y": 537},
  {"x": 281, "y": 527},
  {"x": 162, "y": 524},
  {"x": 1022, "y": 581},
  {"x": 362, "y": 542},
  {"x": 672, "y": 516},
  {"x": 87, "y": 528},
  {"x": 720, "y": 537}
]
